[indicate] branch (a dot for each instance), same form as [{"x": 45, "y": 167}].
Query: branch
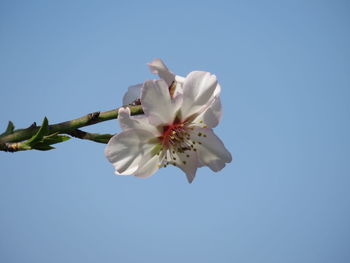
[
  {"x": 13, "y": 147},
  {"x": 11, "y": 139},
  {"x": 96, "y": 137}
]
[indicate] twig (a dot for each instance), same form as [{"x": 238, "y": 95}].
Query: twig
[
  {"x": 11, "y": 142},
  {"x": 96, "y": 137}
]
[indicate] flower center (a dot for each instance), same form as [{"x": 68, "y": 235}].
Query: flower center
[
  {"x": 176, "y": 137},
  {"x": 178, "y": 142}
]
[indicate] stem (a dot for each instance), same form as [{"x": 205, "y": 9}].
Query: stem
[
  {"x": 95, "y": 137},
  {"x": 67, "y": 127}
]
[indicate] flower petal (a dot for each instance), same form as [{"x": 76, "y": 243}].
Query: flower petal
[
  {"x": 178, "y": 90},
  {"x": 132, "y": 94},
  {"x": 157, "y": 103},
  {"x": 211, "y": 150},
  {"x": 135, "y": 122},
  {"x": 180, "y": 80},
  {"x": 217, "y": 90},
  {"x": 126, "y": 149},
  {"x": 187, "y": 161},
  {"x": 212, "y": 115},
  {"x": 148, "y": 166},
  {"x": 198, "y": 93},
  {"x": 158, "y": 67}
]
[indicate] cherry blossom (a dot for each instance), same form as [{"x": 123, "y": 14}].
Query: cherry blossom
[{"x": 176, "y": 128}]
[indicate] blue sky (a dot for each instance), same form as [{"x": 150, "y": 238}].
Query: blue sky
[{"x": 285, "y": 75}]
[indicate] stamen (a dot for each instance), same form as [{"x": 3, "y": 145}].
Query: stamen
[{"x": 177, "y": 139}]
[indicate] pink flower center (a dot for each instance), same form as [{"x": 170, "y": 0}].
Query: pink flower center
[
  {"x": 173, "y": 134},
  {"x": 178, "y": 141},
  {"x": 176, "y": 137}
]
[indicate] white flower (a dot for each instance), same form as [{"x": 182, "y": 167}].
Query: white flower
[
  {"x": 173, "y": 81},
  {"x": 175, "y": 130}
]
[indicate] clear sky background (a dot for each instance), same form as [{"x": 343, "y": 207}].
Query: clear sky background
[{"x": 284, "y": 68}]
